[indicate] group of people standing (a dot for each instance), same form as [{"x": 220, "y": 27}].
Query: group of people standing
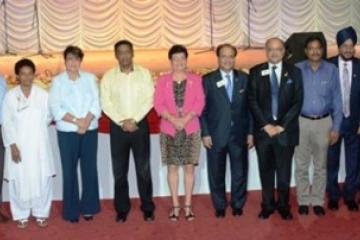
[{"x": 282, "y": 109}]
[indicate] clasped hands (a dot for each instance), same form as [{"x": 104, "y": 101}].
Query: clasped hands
[
  {"x": 273, "y": 130},
  {"x": 129, "y": 125},
  {"x": 178, "y": 122},
  {"x": 82, "y": 124}
]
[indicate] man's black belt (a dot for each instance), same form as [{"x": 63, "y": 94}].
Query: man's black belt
[{"x": 315, "y": 117}]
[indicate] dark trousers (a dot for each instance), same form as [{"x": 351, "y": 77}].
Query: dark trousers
[
  {"x": 121, "y": 143},
  {"x": 2, "y": 159},
  {"x": 216, "y": 163},
  {"x": 274, "y": 160},
  {"x": 74, "y": 146},
  {"x": 351, "y": 142}
]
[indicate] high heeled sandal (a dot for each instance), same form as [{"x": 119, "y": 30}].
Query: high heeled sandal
[
  {"x": 189, "y": 215},
  {"x": 173, "y": 216}
]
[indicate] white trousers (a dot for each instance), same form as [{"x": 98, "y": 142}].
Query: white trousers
[{"x": 38, "y": 208}]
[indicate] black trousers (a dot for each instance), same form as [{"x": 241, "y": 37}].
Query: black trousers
[
  {"x": 274, "y": 160},
  {"x": 216, "y": 162},
  {"x": 121, "y": 143}
]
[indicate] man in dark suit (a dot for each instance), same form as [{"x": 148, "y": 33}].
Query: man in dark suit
[
  {"x": 275, "y": 100},
  {"x": 349, "y": 72},
  {"x": 225, "y": 127}
]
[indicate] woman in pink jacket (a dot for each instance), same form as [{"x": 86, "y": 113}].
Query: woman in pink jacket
[{"x": 179, "y": 100}]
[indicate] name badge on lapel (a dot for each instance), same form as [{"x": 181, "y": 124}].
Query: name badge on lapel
[
  {"x": 265, "y": 72},
  {"x": 241, "y": 91},
  {"x": 220, "y": 83}
]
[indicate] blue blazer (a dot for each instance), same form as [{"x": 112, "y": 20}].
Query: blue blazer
[
  {"x": 354, "y": 93},
  {"x": 222, "y": 118}
]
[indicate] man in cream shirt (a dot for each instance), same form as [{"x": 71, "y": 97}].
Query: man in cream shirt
[{"x": 127, "y": 96}]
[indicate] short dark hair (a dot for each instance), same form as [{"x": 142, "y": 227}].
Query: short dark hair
[
  {"x": 75, "y": 51},
  {"x": 123, "y": 42},
  {"x": 313, "y": 39},
  {"x": 24, "y": 63},
  {"x": 177, "y": 48},
  {"x": 221, "y": 46}
]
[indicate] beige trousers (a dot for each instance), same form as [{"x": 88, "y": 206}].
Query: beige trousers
[{"x": 313, "y": 147}]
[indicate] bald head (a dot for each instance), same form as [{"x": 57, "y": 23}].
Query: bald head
[
  {"x": 275, "y": 50},
  {"x": 274, "y": 40}
]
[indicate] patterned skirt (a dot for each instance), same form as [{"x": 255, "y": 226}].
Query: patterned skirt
[{"x": 180, "y": 150}]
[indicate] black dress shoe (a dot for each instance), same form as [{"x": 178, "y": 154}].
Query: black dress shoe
[
  {"x": 75, "y": 220},
  {"x": 237, "y": 211},
  {"x": 333, "y": 205},
  {"x": 303, "y": 210},
  {"x": 352, "y": 206},
  {"x": 220, "y": 213},
  {"x": 149, "y": 216},
  {"x": 121, "y": 217},
  {"x": 88, "y": 217},
  {"x": 265, "y": 213},
  {"x": 319, "y": 210},
  {"x": 285, "y": 214}
]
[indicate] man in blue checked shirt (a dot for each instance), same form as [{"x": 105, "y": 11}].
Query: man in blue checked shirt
[{"x": 320, "y": 122}]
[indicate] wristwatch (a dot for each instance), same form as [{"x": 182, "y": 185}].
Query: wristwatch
[{"x": 74, "y": 120}]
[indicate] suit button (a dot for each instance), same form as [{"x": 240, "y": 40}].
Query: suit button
[{"x": 232, "y": 123}]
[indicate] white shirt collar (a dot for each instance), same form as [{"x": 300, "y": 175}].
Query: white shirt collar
[
  {"x": 277, "y": 70},
  {"x": 349, "y": 65},
  {"x": 342, "y": 62},
  {"x": 223, "y": 74},
  {"x": 278, "y": 65}
]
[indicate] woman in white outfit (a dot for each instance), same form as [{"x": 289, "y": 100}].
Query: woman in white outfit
[{"x": 29, "y": 165}]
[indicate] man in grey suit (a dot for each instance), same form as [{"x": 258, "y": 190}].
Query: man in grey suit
[{"x": 225, "y": 129}]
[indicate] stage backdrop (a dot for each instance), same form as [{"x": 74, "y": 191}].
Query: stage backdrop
[{"x": 50, "y": 25}]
